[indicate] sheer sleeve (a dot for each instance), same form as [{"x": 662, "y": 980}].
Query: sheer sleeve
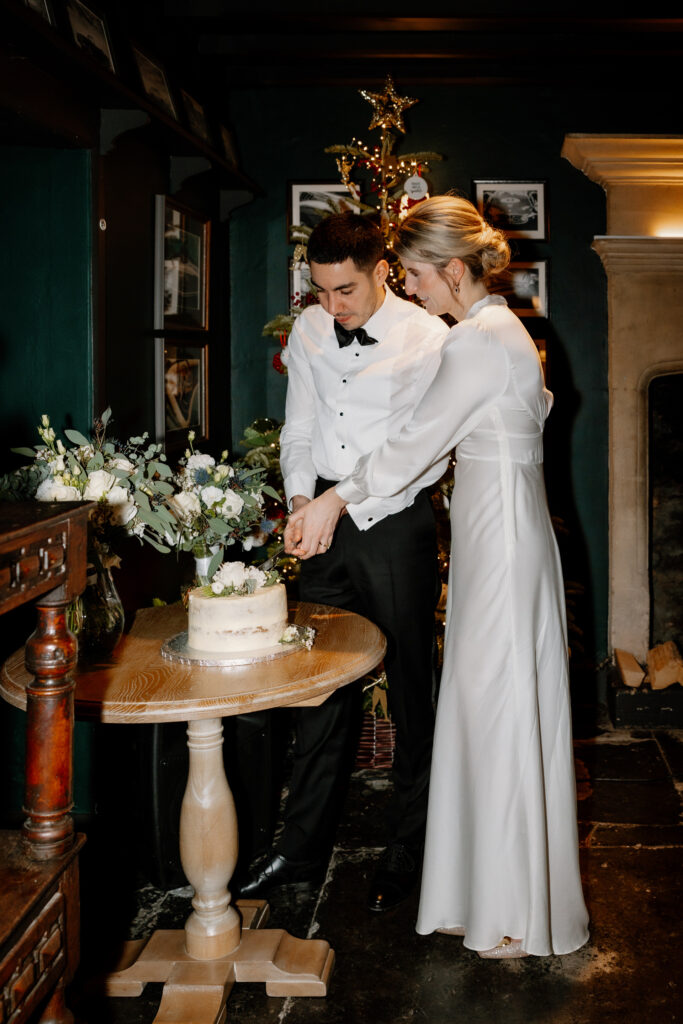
[{"x": 473, "y": 373}]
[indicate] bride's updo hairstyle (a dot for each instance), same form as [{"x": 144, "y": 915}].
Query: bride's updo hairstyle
[{"x": 440, "y": 228}]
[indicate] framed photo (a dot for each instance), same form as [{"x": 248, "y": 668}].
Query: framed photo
[
  {"x": 542, "y": 347},
  {"x": 181, "y": 278},
  {"x": 181, "y": 391},
  {"x": 90, "y": 33},
  {"x": 43, "y": 8},
  {"x": 310, "y": 202},
  {"x": 196, "y": 117},
  {"x": 525, "y": 286},
  {"x": 516, "y": 207},
  {"x": 154, "y": 82}
]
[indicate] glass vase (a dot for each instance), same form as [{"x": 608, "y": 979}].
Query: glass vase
[{"x": 99, "y": 614}]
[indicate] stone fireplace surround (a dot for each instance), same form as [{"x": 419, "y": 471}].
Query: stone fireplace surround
[{"x": 642, "y": 254}]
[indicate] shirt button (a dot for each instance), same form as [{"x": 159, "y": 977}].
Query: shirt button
[
  {"x": 344, "y": 381},
  {"x": 343, "y": 446},
  {"x": 370, "y": 519},
  {"x": 357, "y": 355},
  {"x": 341, "y": 413}
]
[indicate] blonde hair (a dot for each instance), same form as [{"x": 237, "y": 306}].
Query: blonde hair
[{"x": 440, "y": 228}]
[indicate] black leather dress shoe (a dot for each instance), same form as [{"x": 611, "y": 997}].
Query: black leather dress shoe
[
  {"x": 394, "y": 878},
  {"x": 274, "y": 870}
]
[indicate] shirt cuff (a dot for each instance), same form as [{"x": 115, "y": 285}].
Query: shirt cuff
[
  {"x": 348, "y": 492},
  {"x": 299, "y": 483}
]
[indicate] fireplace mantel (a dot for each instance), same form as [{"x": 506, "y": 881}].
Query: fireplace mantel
[{"x": 643, "y": 259}]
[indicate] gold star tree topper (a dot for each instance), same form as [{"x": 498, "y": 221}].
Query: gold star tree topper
[{"x": 387, "y": 106}]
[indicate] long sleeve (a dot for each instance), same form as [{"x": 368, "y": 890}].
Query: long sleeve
[
  {"x": 296, "y": 460},
  {"x": 473, "y": 373}
]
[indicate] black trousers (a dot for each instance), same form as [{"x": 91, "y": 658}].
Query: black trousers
[{"x": 388, "y": 574}]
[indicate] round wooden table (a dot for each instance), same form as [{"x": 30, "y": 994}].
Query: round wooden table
[{"x": 221, "y": 943}]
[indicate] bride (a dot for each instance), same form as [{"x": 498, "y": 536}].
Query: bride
[{"x": 501, "y": 860}]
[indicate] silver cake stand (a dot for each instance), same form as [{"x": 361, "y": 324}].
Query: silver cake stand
[{"x": 176, "y": 648}]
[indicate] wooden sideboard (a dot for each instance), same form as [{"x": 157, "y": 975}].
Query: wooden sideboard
[{"x": 43, "y": 550}]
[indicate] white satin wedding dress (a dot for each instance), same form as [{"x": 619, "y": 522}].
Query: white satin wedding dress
[{"x": 501, "y": 854}]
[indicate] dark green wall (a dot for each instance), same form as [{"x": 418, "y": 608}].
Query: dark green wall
[
  {"x": 482, "y": 133},
  {"x": 45, "y": 291}
]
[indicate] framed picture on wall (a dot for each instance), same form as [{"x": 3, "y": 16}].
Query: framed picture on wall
[
  {"x": 309, "y": 202},
  {"x": 542, "y": 347},
  {"x": 181, "y": 278},
  {"x": 90, "y": 33},
  {"x": 154, "y": 82},
  {"x": 525, "y": 286},
  {"x": 196, "y": 118},
  {"x": 228, "y": 144},
  {"x": 181, "y": 391},
  {"x": 516, "y": 207}
]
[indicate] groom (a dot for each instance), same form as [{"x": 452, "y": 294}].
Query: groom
[{"x": 359, "y": 362}]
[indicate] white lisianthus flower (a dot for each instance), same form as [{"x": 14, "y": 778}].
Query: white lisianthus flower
[
  {"x": 217, "y": 587},
  {"x": 232, "y": 504},
  {"x": 85, "y": 452},
  {"x": 53, "y": 489},
  {"x": 290, "y": 634},
  {"x": 284, "y": 355},
  {"x": 58, "y": 465},
  {"x": 98, "y": 484},
  {"x": 124, "y": 507},
  {"x": 199, "y": 461},
  {"x": 211, "y": 495},
  {"x": 191, "y": 436},
  {"x": 257, "y": 575},
  {"x": 187, "y": 504},
  {"x": 230, "y": 574},
  {"x": 221, "y": 472},
  {"x": 45, "y": 420}
]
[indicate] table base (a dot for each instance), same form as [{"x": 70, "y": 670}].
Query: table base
[{"x": 195, "y": 991}]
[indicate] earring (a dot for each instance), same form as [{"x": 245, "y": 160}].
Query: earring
[{"x": 456, "y": 289}]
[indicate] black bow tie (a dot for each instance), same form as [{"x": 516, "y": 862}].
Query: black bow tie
[{"x": 345, "y": 337}]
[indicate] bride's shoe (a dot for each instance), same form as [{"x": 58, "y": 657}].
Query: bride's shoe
[
  {"x": 508, "y": 949},
  {"x": 451, "y": 931}
]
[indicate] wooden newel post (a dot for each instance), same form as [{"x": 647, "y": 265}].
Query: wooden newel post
[{"x": 50, "y": 658}]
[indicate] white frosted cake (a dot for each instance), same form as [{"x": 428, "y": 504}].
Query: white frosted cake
[{"x": 230, "y": 623}]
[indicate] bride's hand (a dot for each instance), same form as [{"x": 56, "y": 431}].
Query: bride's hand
[{"x": 312, "y": 528}]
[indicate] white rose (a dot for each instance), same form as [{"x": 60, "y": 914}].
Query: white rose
[
  {"x": 98, "y": 484},
  {"x": 52, "y": 489},
  {"x": 232, "y": 504},
  {"x": 187, "y": 504},
  {"x": 119, "y": 462},
  {"x": 217, "y": 587},
  {"x": 199, "y": 461},
  {"x": 284, "y": 355},
  {"x": 211, "y": 495},
  {"x": 230, "y": 574},
  {"x": 257, "y": 575}
]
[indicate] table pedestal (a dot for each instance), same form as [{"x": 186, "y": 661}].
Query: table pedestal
[{"x": 219, "y": 946}]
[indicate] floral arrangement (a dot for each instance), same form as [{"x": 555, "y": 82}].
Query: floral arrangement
[
  {"x": 298, "y": 635},
  {"x": 216, "y": 504},
  {"x": 130, "y": 482},
  {"x": 238, "y": 578},
  {"x": 203, "y": 507}
]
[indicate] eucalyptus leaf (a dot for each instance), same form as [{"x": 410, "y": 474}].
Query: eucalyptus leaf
[
  {"x": 216, "y": 562},
  {"x": 106, "y": 416},
  {"x": 155, "y": 544},
  {"x": 267, "y": 489},
  {"x": 218, "y": 526},
  {"x": 76, "y": 437},
  {"x": 163, "y": 488},
  {"x": 28, "y": 452},
  {"x": 141, "y": 500}
]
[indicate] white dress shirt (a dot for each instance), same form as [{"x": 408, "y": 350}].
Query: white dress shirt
[{"x": 344, "y": 402}]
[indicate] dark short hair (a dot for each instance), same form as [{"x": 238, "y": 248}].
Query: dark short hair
[{"x": 343, "y": 236}]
